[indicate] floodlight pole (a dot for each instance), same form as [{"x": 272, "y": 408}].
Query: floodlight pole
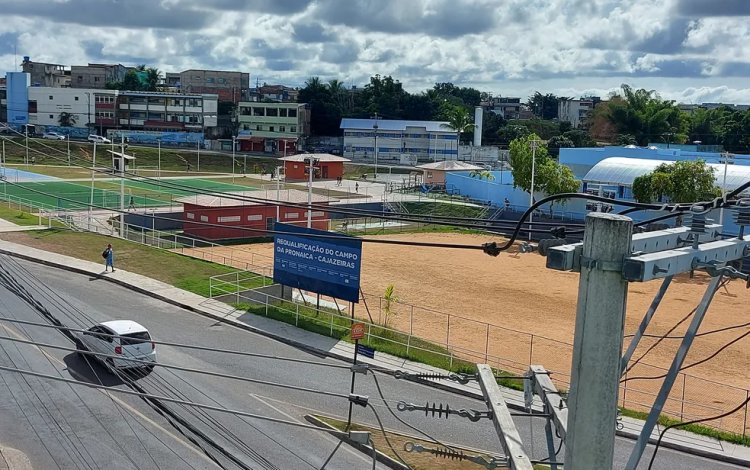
[
  {"x": 122, "y": 184},
  {"x": 93, "y": 173},
  {"x": 726, "y": 156},
  {"x": 26, "y": 127},
  {"x": 278, "y": 192},
  {"x": 311, "y": 169},
  {"x": 159, "y": 167}
]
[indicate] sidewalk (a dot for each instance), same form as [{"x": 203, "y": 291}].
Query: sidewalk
[{"x": 675, "y": 439}]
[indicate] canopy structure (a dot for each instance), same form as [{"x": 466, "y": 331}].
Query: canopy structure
[
  {"x": 449, "y": 165},
  {"x": 619, "y": 171}
]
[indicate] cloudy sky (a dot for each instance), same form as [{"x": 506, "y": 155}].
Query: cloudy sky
[{"x": 688, "y": 50}]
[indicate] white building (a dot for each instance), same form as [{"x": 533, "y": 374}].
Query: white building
[
  {"x": 425, "y": 140},
  {"x": 576, "y": 112},
  {"x": 46, "y": 104}
]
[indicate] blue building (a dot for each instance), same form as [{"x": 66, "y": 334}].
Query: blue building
[{"x": 17, "y": 84}]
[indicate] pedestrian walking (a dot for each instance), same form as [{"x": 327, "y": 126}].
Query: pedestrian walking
[
  {"x": 132, "y": 203},
  {"x": 507, "y": 204},
  {"x": 33, "y": 160},
  {"x": 109, "y": 258},
  {"x": 356, "y": 187}
]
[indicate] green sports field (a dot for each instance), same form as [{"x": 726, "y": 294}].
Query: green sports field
[{"x": 142, "y": 193}]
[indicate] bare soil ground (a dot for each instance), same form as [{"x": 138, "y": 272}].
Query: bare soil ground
[{"x": 516, "y": 291}]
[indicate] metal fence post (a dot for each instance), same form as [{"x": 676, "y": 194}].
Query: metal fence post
[
  {"x": 744, "y": 422},
  {"x": 448, "y": 333},
  {"x": 682, "y": 402},
  {"x": 531, "y": 350},
  {"x": 487, "y": 344}
]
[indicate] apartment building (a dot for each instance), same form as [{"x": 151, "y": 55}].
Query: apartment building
[
  {"x": 229, "y": 86},
  {"x": 46, "y": 74},
  {"x": 159, "y": 111},
  {"x": 270, "y": 127},
  {"x": 96, "y": 75},
  {"x": 505, "y": 107},
  {"x": 576, "y": 112}
]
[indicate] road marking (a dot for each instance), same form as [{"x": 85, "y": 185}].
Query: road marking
[
  {"x": 325, "y": 436},
  {"x": 18, "y": 335}
]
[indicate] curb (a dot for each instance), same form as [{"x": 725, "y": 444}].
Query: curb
[
  {"x": 379, "y": 456},
  {"x": 319, "y": 352}
]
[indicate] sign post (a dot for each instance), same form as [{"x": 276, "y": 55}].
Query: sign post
[{"x": 357, "y": 333}]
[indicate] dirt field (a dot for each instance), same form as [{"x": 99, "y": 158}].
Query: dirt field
[{"x": 516, "y": 291}]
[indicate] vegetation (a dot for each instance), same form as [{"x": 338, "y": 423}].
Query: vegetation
[
  {"x": 141, "y": 78},
  {"x": 682, "y": 181},
  {"x": 389, "y": 298},
  {"x": 694, "y": 428},
  {"x": 66, "y": 119},
  {"x": 550, "y": 177}
]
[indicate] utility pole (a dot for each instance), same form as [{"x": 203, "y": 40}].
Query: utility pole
[
  {"x": 26, "y": 127},
  {"x": 726, "y": 157},
  {"x": 122, "y": 184},
  {"x": 159, "y": 167},
  {"x": 93, "y": 172},
  {"x": 278, "y": 192},
  {"x": 531, "y": 193},
  {"x": 375, "y": 128},
  {"x": 310, "y": 170},
  {"x": 597, "y": 347}
]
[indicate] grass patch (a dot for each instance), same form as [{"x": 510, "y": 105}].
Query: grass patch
[
  {"x": 694, "y": 428},
  {"x": 415, "y": 460},
  {"x": 443, "y": 209},
  {"x": 185, "y": 272},
  {"x": 391, "y": 342}
]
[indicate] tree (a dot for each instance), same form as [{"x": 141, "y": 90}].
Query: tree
[
  {"x": 153, "y": 79},
  {"x": 557, "y": 142},
  {"x": 626, "y": 139},
  {"x": 131, "y": 82},
  {"x": 512, "y": 132},
  {"x": 66, "y": 119},
  {"x": 491, "y": 125},
  {"x": 389, "y": 298},
  {"x": 482, "y": 174},
  {"x": 580, "y": 138},
  {"x": 543, "y": 106},
  {"x": 458, "y": 120},
  {"x": 682, "y": 182},
  {"x": 550, "y": 177}
]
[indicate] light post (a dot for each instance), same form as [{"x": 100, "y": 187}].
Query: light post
[
  {"x": 158, "y": 170},
  {"x": 68, "y": 139},
  {"x": 93, "y": 173},
  {"x": 234, "y": 144},
  {"x": 88, "y": 113},
  {"x": 310, "y": 169},
  {"x": 278, "y": 191},
  {"x": 726, "y": 157},
  {"x": 375, "y": 127},
  {"x": 26, "y": 131},
  {"x": 531, "y": 193},
  {"x": 122, "y": 184}
]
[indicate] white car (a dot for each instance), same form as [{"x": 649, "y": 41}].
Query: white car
[
  {"x": 53, "y": 136},
  {"x": 98, "y": 139},
  {"x": 132, "y": 341}
]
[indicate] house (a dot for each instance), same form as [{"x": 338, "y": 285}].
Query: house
[
  {"x": 96, "y": 75},
  {"x": 328, "y": 166},
  {"x": 228, "y": 85},
  {"x": 251, "y": 216},
  {"x": 44, "y": 74}
]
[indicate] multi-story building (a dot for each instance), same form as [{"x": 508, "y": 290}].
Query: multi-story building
[
  {"x": 229, "y": 86},
  {"x": 277, "y": 93},
  {"x": 576, "y": 112},
  {"x": 44, "y": 74},
  {"x": 101, "y": 110},
  {"x": 507, "y": 108},
  {"x": 425, "y": 140},
  {"x": 96, "y": 75},
  {"x": 272, "y": 127},
  {"x": 159, "y": 111}
]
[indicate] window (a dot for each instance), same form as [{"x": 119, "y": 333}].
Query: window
[
  {"x": 222, "y": 80},
  {"x": 270, "y": 129},
  {"x": 96, "y": 79},
  {"x": 291, "y": 215},
  {"x": 135, "y": 338},
  {"x": 258, "y": 127},
  {"x": 315, "y": 213},
  {"x": 292, "y": 113},
  {"x": 258, "y": 111},
  {"x": 204, "y": 218},
  {"x": 190, "y": 215},
  {"x": 76, "y": 98},
  {"x": 51, "y": 116},
  {"x": 230, "y": 218},
  {"x": 252, "y": 218},
  {"x": 282, "y": 112},
  {"x": 210, "y": 80},
  {"x": 273, "y": 112},
  {"x": 293, "y": 129},
  {"x": 80, "y": 78},
  {"x": 50, "y": 96}
]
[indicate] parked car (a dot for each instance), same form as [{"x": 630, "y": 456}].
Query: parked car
[
  {"x": 53, "y": 136},
  {"x": 98, "y": 139},
  {"x": 130, "y": 340}
]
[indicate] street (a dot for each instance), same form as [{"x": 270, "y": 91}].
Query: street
[{"x": 59, "y": 425}]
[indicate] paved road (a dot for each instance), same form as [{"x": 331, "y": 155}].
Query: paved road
[{"x": 90, "y": 430}]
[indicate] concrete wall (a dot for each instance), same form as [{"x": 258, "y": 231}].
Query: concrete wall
[
  {"x": 51, "y": 102},
  {"x": 17, "y": 97}
]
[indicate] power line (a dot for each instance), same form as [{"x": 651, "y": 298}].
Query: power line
[
  {"x": 701, "y": 420},
  {"x": 174, "y": 400},
  {"x": 183, "y": 345}
]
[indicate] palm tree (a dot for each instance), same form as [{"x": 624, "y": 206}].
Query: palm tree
[
  {"x": 153, "y": 78},
  {"x": 482, "y": 174},
  {"x": 338, "y": 93},
  {"x": 458, "y": 121},
  {"x": 67, "y": 120}
]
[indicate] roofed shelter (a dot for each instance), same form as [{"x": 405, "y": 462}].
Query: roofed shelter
[{"x": 434, "y": 173}]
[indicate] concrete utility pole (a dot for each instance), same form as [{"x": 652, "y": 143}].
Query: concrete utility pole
[
  {"x": 310, "y": 170},
  {"x": 597, "y": 348}
]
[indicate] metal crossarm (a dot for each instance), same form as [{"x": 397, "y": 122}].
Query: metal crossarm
[
  {"x": 553, "y": 402},
  {"x": 504, "y": 425}
]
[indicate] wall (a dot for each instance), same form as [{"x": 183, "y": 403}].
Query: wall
[
  {"x": 482, "y": 190},
  {"x": 426, "y": 146},
  {"x": 251, "y": 116},
  {"x": 328, "y": 170},
  {"x": 168, "y": 139},
  {"x": 292, "y": 215},
  {"x": 580, "y": 160},
  {"x": 17, "y": 84}
]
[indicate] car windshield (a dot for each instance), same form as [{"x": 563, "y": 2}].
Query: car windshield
[{"x": 135, "y": 338}]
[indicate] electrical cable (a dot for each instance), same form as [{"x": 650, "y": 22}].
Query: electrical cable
[
  {"x": 697, "y": 335},
  {"x": 695, "y": 421},
  {"x": 661, "y": 338},
  {"x": 385, "y": 436}
]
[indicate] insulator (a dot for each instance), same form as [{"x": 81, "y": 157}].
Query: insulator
[
  {"x": 451, "y": 454},
  {"x": 434, "y": 409},
  {"x": 698, "y": 223},
  {"x": 742, "y": 212}
]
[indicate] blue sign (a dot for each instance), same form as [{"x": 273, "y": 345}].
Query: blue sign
[
  {"x": 365, "y": 351},
  {"x": 327, "y": 266}
]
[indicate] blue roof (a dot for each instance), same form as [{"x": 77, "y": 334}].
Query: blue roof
[{"x": 395, "y": 125}]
